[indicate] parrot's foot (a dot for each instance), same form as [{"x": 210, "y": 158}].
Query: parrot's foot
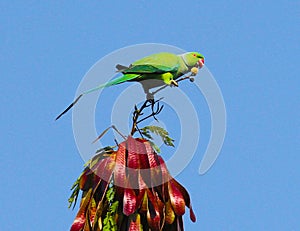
[
  {"x": 192, "y": 79},
  {"x": 173, "y": 83},
  {"x": 149, "y": 96}
]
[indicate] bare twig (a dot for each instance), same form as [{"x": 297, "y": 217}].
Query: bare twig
[
  {"x": 106, "y": 130},
  {"x": 190, "y": 77},
  {"x": 139, "y": 112}
]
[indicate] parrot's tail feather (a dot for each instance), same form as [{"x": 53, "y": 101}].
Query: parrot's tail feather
[
  {"x": 70, "y": 106},
  {"x": 121, "y": 79},
  {"x": 115, "y": 81},
  {"x": 97, "y": 88},
  {"x": 121, "y": 68}
]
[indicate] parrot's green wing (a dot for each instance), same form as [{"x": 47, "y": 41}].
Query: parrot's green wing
[{"x": 154, "y": 64}]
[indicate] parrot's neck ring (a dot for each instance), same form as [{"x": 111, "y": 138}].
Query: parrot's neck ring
[{"x": 184, "y": 60}]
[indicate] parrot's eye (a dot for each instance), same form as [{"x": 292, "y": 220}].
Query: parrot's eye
[{"x": 194, "y": 55}]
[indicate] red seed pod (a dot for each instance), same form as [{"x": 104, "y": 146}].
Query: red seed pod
[
  {"x": 176, "y": 198},
  {"x": 129, "y": 200},
  {"x": 120, "y": 168},
  {"x": 148, "y": 195},
  {"x": 79, "y": 221}
]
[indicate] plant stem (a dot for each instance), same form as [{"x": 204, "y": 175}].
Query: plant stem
[{"x": 139, "y": 111}]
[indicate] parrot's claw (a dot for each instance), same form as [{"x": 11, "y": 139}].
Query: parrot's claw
[
  {"x": 173, "y": 83},
  {"x": 192, "y": 79}
]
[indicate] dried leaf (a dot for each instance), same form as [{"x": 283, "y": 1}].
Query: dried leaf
[
  {"x": 153, "y": 214},
  {"x": 79, "y": 221},
  {"x": 169, "y": 213},
  {"x": 135, "y": 223}
]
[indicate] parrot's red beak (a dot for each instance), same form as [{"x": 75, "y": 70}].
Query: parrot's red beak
[{"x": 201, "y": 63}]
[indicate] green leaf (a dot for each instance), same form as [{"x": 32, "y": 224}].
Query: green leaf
[
  {"x": 146, "y": 133},
  {"x": 110, "y": 194},
  {"x": 106, "y": 149},
  {"x": 158, "y": 131},
  {"x": 154, "y": 146},
  {"x": 75, "y": 191},
  {"x": 114, "y": 206},
  {"x": 89, "y": 164},
  {"x": 109, "y": 221}
]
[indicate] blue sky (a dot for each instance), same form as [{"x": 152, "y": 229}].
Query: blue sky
[{"x": 250, "y": 47}]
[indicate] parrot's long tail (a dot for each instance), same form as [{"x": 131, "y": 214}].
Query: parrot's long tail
[
  {"x": 121, "y": 79},
  {"x": 84, "y": 93},
  {"x": 69, "y": 107}
]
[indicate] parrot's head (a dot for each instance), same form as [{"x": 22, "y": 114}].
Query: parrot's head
[{"x": 193, "y": 59}]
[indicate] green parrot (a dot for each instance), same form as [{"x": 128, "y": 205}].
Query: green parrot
[{"x": 152, "y": 71}]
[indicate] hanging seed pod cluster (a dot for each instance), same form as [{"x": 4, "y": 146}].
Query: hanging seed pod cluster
[{"x": 129, "y": 188}]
